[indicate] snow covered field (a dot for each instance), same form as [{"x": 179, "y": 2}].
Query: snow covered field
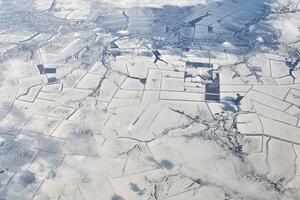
[{"x": 125, "y": 100}]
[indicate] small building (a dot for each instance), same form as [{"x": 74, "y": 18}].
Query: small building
[
  {"x": 41, "y": 68},
  {"x": 52, "y": 80},
  {"x": 212, "y": 90},
  {"x": 50, "y": 70},
  {"x": 210, "y": 29},
  {"x": 47, "y": 70},
  {"x": 198, "y": 65},
  {"x": 212, "y": 97}
]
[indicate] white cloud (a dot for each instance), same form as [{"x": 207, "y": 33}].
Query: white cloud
[
  {"x": 228, "y": 45},
  {"x": 288, "y": 26},
  {"x": 259, "y": 39},
  {"x": 291, "y": 29},
  {"x": 123, "y": 32},
  {"x": 2, "y": 140}
]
